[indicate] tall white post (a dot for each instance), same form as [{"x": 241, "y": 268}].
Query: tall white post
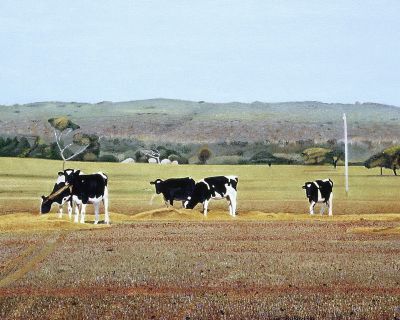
[{"x": 346, "y": 159}]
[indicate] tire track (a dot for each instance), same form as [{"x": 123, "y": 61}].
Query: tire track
[
  {"x": 28, "y": 260},
  {"x": 12, "y": 263},
  {"x": 147, "y": 290}
]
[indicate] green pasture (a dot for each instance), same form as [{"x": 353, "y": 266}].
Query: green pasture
[{"x": 275, "y": 189}]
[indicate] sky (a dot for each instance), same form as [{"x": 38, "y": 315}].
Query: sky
[{"x": 217, "y": 51}]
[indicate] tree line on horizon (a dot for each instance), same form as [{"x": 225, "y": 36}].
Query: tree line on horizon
[{"x": 88, "y": 147}]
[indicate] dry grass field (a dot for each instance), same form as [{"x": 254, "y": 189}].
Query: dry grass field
[{"x": 272, "y": 261}]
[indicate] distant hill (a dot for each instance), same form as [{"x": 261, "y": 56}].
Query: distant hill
[{"x": 178, "y": 121}]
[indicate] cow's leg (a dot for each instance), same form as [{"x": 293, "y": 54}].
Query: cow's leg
[
  {"x": 205, "y": 207},
  {"x": 230, "y": 204},
  {"x": 96, "y": 206},
  {"x": 77, "y": 209},
  {"x": 330, "y": 204},
  {"x": 105, "y": 202},
  {"x": 233, "y": 203},
  {"x": 322, "y": 210},
  {"x": 312, "y": 204},
  {"x": 166, "y": 202},
  {"x": 69, "y": 210},
  {"x": 60, "y": 210},
  {"x": 83, "y": 212}
]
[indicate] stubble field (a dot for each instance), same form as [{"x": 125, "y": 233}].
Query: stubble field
[{"x": 272, "y": 261}]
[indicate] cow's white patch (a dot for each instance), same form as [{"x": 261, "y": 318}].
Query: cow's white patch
[
  {"x": 207, "y": 185},
  {"x": 231, "y": 177},
  {"x": 308, "y": 185},
  {"x": 60, "y": 179},
  {"x": 218, "y": 196}
]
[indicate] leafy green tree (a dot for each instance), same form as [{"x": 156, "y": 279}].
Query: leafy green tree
[
  {"x": 334, "y": 156},
  {"x": 92, "y": 151},
  {"x": 316, "y": 155},
  {"x": 388, "y": 158}
]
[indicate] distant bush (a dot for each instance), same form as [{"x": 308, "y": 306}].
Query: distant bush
[
  {"x": 179, "y": 158},
  {"x": 89, "y": 156},
  {"x": 262, "y": 157},
  {"x": 108, "y": 158},
  {"x": 204, "y": 155},
  {"x": 228, "y": 160}
]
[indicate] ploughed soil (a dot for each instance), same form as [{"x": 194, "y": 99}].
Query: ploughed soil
[{"x": 308, "y": 268}]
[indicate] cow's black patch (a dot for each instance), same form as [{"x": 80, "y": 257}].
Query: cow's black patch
[
  {"x": 86, "y": 186},
  {"x": 174, "y": 188}
]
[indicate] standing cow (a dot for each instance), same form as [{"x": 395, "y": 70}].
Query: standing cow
[
  {"x": 174, "y": 189},
  {"x": 221, "y": 187},
  {"x": 320, "y": 191},
  {"x": 88, "y": 188}
]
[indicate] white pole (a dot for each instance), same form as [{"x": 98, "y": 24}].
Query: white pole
[{"x": 346, "y": 159}]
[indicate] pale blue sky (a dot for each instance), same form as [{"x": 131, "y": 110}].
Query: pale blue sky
[{"x": 331, "y": 51}]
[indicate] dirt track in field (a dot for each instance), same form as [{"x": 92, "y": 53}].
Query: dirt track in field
[{"x": 302, "y": 269}]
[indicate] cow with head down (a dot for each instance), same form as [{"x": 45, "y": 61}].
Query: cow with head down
[
  {"x": 320, "y": 191},
  {"x": 59, "y": 195},
  {"x": 220, "y": 187}
]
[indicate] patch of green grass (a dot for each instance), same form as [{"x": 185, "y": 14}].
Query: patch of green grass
[{"x": 275, "y": 189}]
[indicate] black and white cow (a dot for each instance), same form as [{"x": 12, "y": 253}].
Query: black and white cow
[
  {"x": 174, "y": 189},
  {"x": 320, "y": 191},
  {"x": 88, "y": 188},
  {"x": 221, "y": 187},
  {"x": 59, "y": 195}
]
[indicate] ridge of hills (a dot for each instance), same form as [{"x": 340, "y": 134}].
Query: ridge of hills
[{"x": 180, "y": 121}]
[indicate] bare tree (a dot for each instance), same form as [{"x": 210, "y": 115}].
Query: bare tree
[
  {"x": 63, "y": 127},
  {"x": 154, "y": 154}
]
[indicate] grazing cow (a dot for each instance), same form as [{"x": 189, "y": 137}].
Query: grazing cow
[
  {"x": 60, "y": 195},
  {"x": 214, "y": 188},
  {"x": 174, "y": 189},
  {"x": 319, "y": 191},
  {"x": 88, "y": 188}
]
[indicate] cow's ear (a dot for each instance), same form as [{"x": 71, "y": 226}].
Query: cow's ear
[
  {"x": 77, "y": 172},
  {"x": 152, "y": 182},
  {"x": 43, "y": 197},
  {"x": 60, "y": 173},
  {"x": 303, "y": 187}
]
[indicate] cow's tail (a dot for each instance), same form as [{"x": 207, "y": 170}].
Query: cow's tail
[{"x": 331, "y": 182}]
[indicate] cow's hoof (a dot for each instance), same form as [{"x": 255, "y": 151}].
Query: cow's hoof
[
  {"x": 96, "y": 222},
  {"x": 83, "y": 222}
]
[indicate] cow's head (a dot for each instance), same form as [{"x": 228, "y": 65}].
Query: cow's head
[
  {"x": 158, "y": 184},
  {"x": 71, "y": 176},
  {"x": 45, "y": 205},
  {"x": 307, "y": 187},
  {"x": 57, "y": 195},
  {"x": 199, "y": 195}
]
